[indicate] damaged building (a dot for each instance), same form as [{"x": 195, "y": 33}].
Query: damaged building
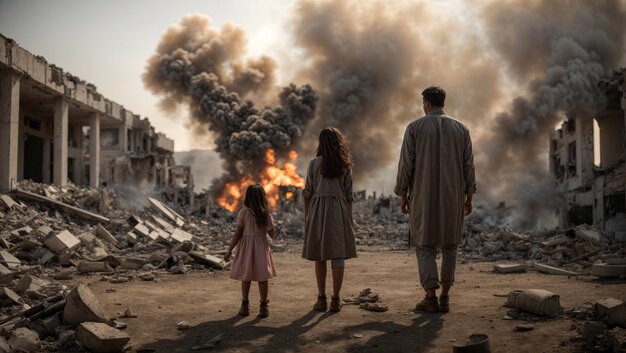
[
  {"x": 57, "y": 128},
  {"x": 593, "y": 191}
]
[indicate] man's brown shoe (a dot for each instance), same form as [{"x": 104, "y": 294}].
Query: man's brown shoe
[
  {"x": 321, "y": 304},
  {"x": 335, "y": 304},
  {"x": 429, "y": 304},
  {"x": 444, "y": 303}
]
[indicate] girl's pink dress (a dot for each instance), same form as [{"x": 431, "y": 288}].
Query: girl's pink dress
[{"x": 252, "y": 258}]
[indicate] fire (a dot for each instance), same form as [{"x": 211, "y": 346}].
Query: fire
[{"x": 272, "y": 177}]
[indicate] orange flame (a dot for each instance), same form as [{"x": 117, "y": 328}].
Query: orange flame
[{"x": 271, "y": 178}]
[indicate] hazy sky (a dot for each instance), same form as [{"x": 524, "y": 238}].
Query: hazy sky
[{"x": 108, "y": 42}]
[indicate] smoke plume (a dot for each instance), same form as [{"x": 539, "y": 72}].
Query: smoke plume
[{"x": 205, "y": 69}]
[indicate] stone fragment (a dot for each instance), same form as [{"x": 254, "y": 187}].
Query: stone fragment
[
  {"x": 9, "y": 297},
  {"x": 7, "y": 201},
  {"x": 377, "y": 307},
  {"x": 22, "y": 231},
  {"x": 51, "y": 324},
  {"x": 606, "y": 270},
  {"x": 93, "y": 266},
  {"x": 45, "y": 230},
  {"x": 25, "y": 339},
  {"x": 611, "y": 311},
  {"x": 147, "y": 277},
  {"x": 32, "y": 283},
  {"x": 111, "y": 260},
  {"x": 133, "y": 263},
  {"x": 4, "y": 270},
  {"x": 101, "y": 338},
  {"x": 180, "y": 235},
  {"x": 104, "y": 234},
  {"x": 9, "y": 260},
  {"x": 551, "y": 270},
  {"x": 82, "y": 306},
  {"x": 4, "y": 345},
  {"x": 616, "y": 261},
  {"x": 524, "y": 327},
  {"x": 207, "y": 259},
  {"x": 140, "y": 228},
  {"x": 62, "y": 242},
  {"x": 535, "y": 301},
  {"x": 183, "y": 325},
  {"x": 129, "y": 313},
  {"x": 510, "y": 268},
  {"x": 590, "y": 235},
  {"x": 87, "y": 238}
]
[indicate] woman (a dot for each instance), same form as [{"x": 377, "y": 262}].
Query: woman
[{"x": 329, "y": 232}]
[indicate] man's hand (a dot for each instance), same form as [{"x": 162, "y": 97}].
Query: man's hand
[
  {"x": 468, "y": 206},
  {"x": 227, "y": 256},
  {"x": 405, "y": 206}
]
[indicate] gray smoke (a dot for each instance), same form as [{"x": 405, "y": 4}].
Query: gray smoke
[{"x": 204, "y": 68}]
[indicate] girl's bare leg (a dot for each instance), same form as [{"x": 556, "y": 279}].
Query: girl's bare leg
[
  {"x": 337, "y": 280},
  {"x": 263, "y": 289},
  {"x": 320, "y": 275},
  {"x": 245, "y": 289}
]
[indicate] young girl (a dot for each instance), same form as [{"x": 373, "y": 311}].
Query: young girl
[
  {"x": 329, "y": 233},
  {"x": 253, "y": 259}
]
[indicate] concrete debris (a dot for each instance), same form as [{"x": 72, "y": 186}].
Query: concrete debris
[
  {"x": 606, "y": 270},
  {"x": 93, "y": 266},
  {"x": 104, "y": 234},
  {"x": 101, "y": 338},
  {"x": 24, "y": 339},
  {"x": 9, "y": 260},
  {"x": 510, "y": 268},
  {"x": 535, "y": 301},
  {"x": 62, "y": 242},
  {"x": 611, "y": 311},
  {"x": 183, "y": 325},
  {"x": 83, "y": 306},
  {"x": 377, "y": 307},
  {"x": 524, "y": 327},
  {"x": 30, "y": 283},
  {"x": 553, "y": 270}
]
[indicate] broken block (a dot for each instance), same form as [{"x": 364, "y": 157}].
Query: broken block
[
  {"x": 141, "y": 229},
  {"x": 7, "y": 201},
  {"x": 102, "y": 338},
  {"x": 616, "y": 260},
  {"x": 45, "y": 230},
  {"x": 87, "y": 238},
  {"x": 9, "y": 297},
  {"x": 611, "y": 311},
  {"x": 22, "y": 231},
  {"x": 83, "y": 306},
  {"x": 206, "y": 259},
  {"x": 93, "y": 266},
  {"x": 64, "y": 241},
  {"x": 104, "y": 234},
  {"x": 536, "y": 301},
  {"x": 510, "y": 268},
  {"x": 543, "y": 268},
  {"x": 133, "y": 263},
  {"x": 9, "y": 260},
  {"x": 180, "y": 235},
  {"x": 4, "y": 270},
  {"x": 606, "y": 270},
  {"x": 25, "y": 339},
  {"x": 30, "y": 283}
]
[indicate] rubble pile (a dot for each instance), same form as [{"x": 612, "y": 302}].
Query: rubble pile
[{"x": 367, "y": 300}]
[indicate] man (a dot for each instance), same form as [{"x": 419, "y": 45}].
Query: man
[{"x": 436, "y": 183}]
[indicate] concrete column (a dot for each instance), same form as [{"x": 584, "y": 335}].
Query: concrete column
[
  {"x": 9, "y": 127},
  {"x": 123, "y": 138},
  {"x": 60, "y": 141},
  {"x": 94, "y": 150}
]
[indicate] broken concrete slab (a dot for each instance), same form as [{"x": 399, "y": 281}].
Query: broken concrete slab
[
  {"x": 167, "y": 212},
  {"x": 180, "y": 236},
  {"x": 93, "y": 266},
  {"x": 62, "y": 242},
  {"x": 72, "y": 209},
  {"x": 587, "y": 234},
  {"x": 611, "y": 311},
  {"x": 30, "y": 283},
  {"x": 606, "y": 270},
  {"x": 616, "y": 260},
  {"x": 207, "y": 259},
  {"x": 551, "y": 270},
  {"x": 7, "y": 201},
  {"x": 87, "y": 238},
  {"x": 45, "y": 230},
  {"x": 535, "y": 301},
  {"x": 141, "y": 229},
  {"x": 9, "y": 297},
  {"x": 9, "y": 260},
  {"x": 510, "y": 268},
  {"x": 83, "y": 306},
  {"x": 102, "y": 338},
  {"x": 25, "y": 339},
  {"x": 104, "y": 234},
  {"x": 133, "y": 263},
  {"x": 22, "y": 231},
  {"x": 4, "y": 270},
  {"x": 112, "y": 260}
]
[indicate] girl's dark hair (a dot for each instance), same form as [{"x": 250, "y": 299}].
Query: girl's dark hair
[
  {"x": 257, "y": 203},
  {"x": 333, "y": 147}
]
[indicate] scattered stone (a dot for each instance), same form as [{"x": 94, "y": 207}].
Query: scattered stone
[
  {"x": 129, "y": 313},
  {"x": 62, "y": 242},
  {"x": 25, "y": 339},
  {"x": 524, "y": 327},
  {"x": 30, "y": 283},
  {"x": 357, "y": 335},
  {"x": 376, "y": 307},
  {"x": 606, "y": 270},
  {"x": 9, "y": 297},
  {"x": 510, "y": 268},
  {"x": 104, "y": 234},
  {"x": 535, "y": 301},
  {"x": 553, "y": 270},
  {"x": 183, "y": 325},
  {"x": 611, "y": 311},
  {"x": 9, "y": 260},
  {"x": 101, "y": 338},
  {"x": 83, "y": 306},
  {"x": 64, "y": 274},
  {"x": 118, "y": 279},
  {"x": 93, "y": 266},
  {"x": 147, "y": 277}
]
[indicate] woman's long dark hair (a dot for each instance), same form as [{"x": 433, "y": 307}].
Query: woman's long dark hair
[
  {"x": 333, "y": 148},
  {"x": 256, "y": 201}
]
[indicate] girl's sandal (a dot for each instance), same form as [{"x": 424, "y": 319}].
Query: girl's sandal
[
  {"x": 244, "y": 310},
  {"x": 264, "y": 311},
  {"x": 335, "y": 304}
]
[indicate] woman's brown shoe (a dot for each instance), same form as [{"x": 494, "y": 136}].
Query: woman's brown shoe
[
  {"x": 429, "y": 304},
  {"x": 264, "y": 311},
  {"x": 335, "y": 304},
  {"x": 244, "y": 310},
  {"x": 321, "y": 304}
]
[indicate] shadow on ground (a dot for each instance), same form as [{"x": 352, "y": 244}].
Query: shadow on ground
[{"x": 252, "y": 334}]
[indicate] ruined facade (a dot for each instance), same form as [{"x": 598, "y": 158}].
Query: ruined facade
[
  {"x": 56, "y": 128},
  {"x": 593, "y": 191}
]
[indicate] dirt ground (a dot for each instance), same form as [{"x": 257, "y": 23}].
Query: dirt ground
[{"x": 209, "y": 302}]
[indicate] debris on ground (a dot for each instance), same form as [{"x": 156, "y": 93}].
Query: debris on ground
[{"x": 367, "y": 300}]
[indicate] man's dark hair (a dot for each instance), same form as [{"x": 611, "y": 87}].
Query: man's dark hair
[{"x": 435, "y": 95}]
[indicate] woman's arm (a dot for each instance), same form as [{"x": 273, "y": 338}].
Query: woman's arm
[{"x": 307, "y": 202}]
